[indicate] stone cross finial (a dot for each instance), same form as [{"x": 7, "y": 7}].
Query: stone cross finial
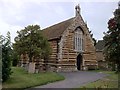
[{"x": 77, "y": 10}]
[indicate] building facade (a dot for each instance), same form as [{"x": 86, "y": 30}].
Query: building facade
[
  {"x": 72, "y": 45},
  {"x": 102, "y": 64}
]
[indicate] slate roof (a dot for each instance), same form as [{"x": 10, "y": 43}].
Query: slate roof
[
  {"x": 55, "y": 31},
  {"x": 100, "y": 45}
]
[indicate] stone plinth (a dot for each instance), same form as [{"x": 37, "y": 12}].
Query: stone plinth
[{"x": 31, "y": 67}]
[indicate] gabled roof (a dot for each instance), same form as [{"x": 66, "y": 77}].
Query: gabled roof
[
  {"x": 55, "y": 31},
  {"x": 100, "y": 45}
]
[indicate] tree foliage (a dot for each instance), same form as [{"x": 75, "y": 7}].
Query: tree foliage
[
  {"x": 14, "y": 58},
  {"x": 112, "y": 40},
  {"x": 30, "y": 41},
  {"x": 6, "y": 56}
]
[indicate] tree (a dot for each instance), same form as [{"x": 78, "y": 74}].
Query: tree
[
  {"x": 6, "y": 61},
  {"x": 112, "y": 40},
  {"x": 30, "y": 41},
  {"x": 14, "y": 58}
]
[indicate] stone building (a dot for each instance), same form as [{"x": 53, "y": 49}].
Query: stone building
[
  {"x": 102, "y": 64},
  {"x": 99, "y": 50},
  {"x": 72, "y": 45}
]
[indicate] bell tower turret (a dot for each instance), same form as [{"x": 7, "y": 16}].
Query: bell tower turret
[{"x": 77, "y": 8}]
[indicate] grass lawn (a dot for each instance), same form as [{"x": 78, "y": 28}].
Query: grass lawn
[
  {"x": 110, "y": 81},
  {"x": 21, "y": 79}
]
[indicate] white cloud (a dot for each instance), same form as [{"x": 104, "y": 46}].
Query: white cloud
[
  {"x": 97, "y": 15},
  {"x": 16, "y": 14},
  {"x": 4, "y": 28},
  {"x": 60, "y": 11}
]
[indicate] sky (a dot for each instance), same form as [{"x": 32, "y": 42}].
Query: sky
[{"x": 17, "y": 14}]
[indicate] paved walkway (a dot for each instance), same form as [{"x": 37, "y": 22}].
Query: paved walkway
[{"x": 74, "y": 79}]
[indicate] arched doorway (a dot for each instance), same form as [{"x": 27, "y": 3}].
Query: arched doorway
[{"x": 79, "y": 61}]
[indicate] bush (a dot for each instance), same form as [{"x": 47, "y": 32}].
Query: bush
[
  {"x": 14, "y": 59},
  {"x": 6, "y": 61},
  {"x": 6, "y": 70}
]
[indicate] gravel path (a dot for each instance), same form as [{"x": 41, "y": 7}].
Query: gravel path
[{"x": 74, "y": 79}]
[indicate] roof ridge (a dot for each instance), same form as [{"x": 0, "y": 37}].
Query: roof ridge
[
  {"x": 70, "y": 23},
  {"x": 59, "y": 23},
  {"x": 56, "y": 30}
]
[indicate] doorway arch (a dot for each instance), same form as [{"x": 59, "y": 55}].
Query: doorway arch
[{"x": 79, "y": 61}]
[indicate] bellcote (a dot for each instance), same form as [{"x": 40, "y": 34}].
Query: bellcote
[{"x": 77, "y": 8}]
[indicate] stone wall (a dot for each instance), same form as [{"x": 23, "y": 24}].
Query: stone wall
[
  {"x": 99, "y": 56},
  {"x": 63, "y": 57},
  {"x": 69, "y": 55}
]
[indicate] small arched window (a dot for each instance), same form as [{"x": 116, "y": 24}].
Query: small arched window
[{"x": 78, "y": 40}]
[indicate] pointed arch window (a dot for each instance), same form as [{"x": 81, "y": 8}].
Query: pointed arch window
[{"x": 78, "y": 40}]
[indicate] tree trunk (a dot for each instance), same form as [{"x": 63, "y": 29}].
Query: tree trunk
[{"x": 30, "y": 57}]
